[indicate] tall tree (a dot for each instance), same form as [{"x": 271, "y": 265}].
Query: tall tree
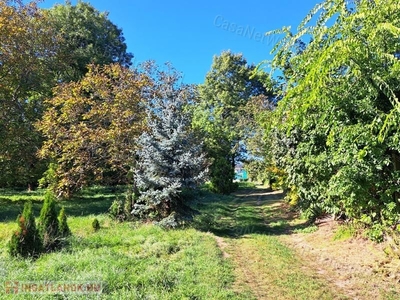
[
  {"x": 170, "y": 156},
  {"x": 91, "y": 126},
  {"x": 38, "y": 50},
  {"x": 27, "y": 46},
  {"x": 336, "y": 130},
  {"x": 227, "y": 89},
  {"x": 88, "y": 37}
]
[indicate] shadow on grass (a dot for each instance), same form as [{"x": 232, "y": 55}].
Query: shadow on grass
[
  {"x": 94, "y": 200},
  {"x": 247, "y": 211}
]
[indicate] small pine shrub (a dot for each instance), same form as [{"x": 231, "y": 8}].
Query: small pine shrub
[
  {"x": 116, "y": 210},
  {"x": 121, "y": 210},
  {"x": 48, "y": 224},
  {"x": 96, "y": 225},
  {"x": 26, "y": 241},
  {"x": 63, "y": 228}
]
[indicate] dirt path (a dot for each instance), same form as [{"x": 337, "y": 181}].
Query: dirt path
[{"x": 275, "y": 258}]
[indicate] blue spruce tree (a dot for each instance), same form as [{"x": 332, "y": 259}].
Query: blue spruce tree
[{"x": 171, "y": 157}]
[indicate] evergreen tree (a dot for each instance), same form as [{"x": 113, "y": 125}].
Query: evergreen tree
[
  {"x": 26, "y": 240},
  {"x": 63, "y": 228},
  {"x": 171, "y": 157},
  {"x": 48, "y": 223}
]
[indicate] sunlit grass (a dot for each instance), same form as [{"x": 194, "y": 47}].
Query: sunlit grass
[{"x": 131, "y": 260}]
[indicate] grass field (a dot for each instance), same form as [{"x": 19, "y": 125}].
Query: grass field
[
  {"x": 234, "y": 249},
  {"x": 130, "y": 260}
]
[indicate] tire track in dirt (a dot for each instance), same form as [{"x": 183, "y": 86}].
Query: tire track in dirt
[
  {"x": 245, "y": 252},
  {"x": 247, "y": 277}
]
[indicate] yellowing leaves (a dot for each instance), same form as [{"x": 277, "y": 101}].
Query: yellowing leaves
[{"x": 91, "y": 126}]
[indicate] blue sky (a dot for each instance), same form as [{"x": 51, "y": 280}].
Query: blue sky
[{"x": 189, "y": 33}]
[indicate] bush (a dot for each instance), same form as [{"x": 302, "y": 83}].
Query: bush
[
  {"x": 63, "y": 228},
  {"x": 121, "y": 210},
  {"x": 48, "y": 224},
  {"x": 96, "y": 225},
  {"x": 26, "y": 241},
  {"x": 221, "y": 176}
]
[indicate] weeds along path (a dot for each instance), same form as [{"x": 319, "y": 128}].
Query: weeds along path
[
  {"x": 247, "y": 231},
  {"x": 275, "y": 258}
]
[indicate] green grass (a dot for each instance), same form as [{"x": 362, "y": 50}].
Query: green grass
[
  {"x": 233, "y": 250},
  {"x": 282, "y": 270},
  {"x": 131, "y": 260},
  {"x": 345, "y": 232},
  {"x": 251, "y": 228},
  {"x": 93, "y": 200},
  {"x": 240, "y": 214},
  {"x": 7, "y": 194}
]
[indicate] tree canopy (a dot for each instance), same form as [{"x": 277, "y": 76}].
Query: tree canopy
[
  {"x": 324, "y": 126},
  {"x": 88, "y": 37},
  {"x": 91, "y": 126},
  {"x": 227, "y": 89},
  {"x": 38, "y": 50},
  {"x": 27, "y": 47},
  {"x": 335, "y": 131}
]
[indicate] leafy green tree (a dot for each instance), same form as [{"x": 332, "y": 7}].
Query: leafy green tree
[
  {"x": 26, "y": 241},
  {"x": 38, "y": 50},
  {"x": 27, "y": 47},
  {"x": 88, "y": 37},
  {"x": 91, "y": 126},
  {"x": 226, "y": 91},
  {"x": 336, "y": 129},
  {"x": 170, "y": 156}
]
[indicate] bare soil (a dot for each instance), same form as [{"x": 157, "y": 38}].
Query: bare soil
[{"x": 358, "y": 266}]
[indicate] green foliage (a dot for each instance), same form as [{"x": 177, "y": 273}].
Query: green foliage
[
  {"x": 28, "y": 45},
  {"x": 346, "y": 231},
  {"x": 63, "y": 228},
  {"x": 40, "y": 49},
  {"x": 376, "y": 233},
  {"x": 256, "y": 170},
  {"x": 221, "y": 174},
  {"x": 87, "y": 37},
  {"x": 218, "y": 115},
  {"x": 90, "y": 136},
  {"x": 49, "y": 224},
  {"x": 116, "y": 210},
  {"x": 335, "y": 131},
  {"x": 95, "y": 225},
  {"x": 26, "y": 241}
]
